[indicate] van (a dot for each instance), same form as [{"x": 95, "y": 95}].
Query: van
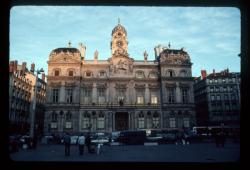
[{"x": 136, "y": 137}]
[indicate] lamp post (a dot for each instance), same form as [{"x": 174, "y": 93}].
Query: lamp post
[{"x": 33, "y": 109}]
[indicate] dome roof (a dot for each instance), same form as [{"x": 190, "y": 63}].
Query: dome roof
[
  {"x": 119, "y": 27},
  {"x": 65, "y": 50}
]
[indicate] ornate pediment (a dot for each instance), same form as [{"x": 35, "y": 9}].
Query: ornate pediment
[
  {"x": 121, "y": 65},
  {"x": 65, "y": 58},
  {"x": 175, "y": 57}
]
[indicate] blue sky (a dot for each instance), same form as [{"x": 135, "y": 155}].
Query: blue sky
[{"x": 211, "y": 35}]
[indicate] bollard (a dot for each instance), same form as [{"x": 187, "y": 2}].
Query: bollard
[{"x": 98, "y": 148}]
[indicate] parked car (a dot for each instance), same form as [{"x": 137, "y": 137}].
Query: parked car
[
  {"x": 168, "y": 138},
  {"x": 114, "y": 136},
  {"x": 74, "y": 140},
  {"x": 100, "y": 140},
  {"x": 132, "y": 137}
]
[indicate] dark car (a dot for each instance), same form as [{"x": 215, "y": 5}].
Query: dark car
[{"x": 132, "y": 137}]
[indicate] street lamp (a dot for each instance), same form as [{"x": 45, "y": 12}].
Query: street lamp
[{"x": 33, "y": 110}]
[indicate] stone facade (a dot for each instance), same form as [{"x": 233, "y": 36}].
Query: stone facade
[
  {"x": 26, "y": 105},
  {"x": 217, "y": 98},
  {"x": 118, "y": 93}
]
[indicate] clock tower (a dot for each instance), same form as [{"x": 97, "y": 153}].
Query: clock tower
[{"x": 119, "y": 43}]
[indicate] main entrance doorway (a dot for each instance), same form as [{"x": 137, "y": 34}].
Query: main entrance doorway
[{"x": 121, "y": 121}]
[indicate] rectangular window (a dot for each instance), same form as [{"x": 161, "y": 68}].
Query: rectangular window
[
  {"x": 121, "y": 95},
  {"x": 53, "y": 125},
  {"x": 68, "y": 125},
  {"x": 211, "y": 89},
  {"x": 55, "y": 95},
  {"x": 171, "y": 95},
  {"x": 212, "y": 97},
  {"x": 101, "y": 96},
  {"x": 155, "y": 122},
  {"x": 172, "y": 122},
  {"x": 186, "y": 122},
  {"x": 70, "y": 73},
  {"x": 139, "y": 96},
  {"x": 56, "y": 72},
  {"x": 85, "y": 122},
  {"x": 218, "y": 97},
  {"x": 88, "y": 95},
  {"x": 141, "y": 122},
  {"x": 225, "y": 89},
  {"x": 184, "y": 93},
  {"x": 154, "y": 99},
  {"x": 69, "y": 95},
  {"x": 100, "y": 123}
]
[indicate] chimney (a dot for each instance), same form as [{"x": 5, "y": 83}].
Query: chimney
[
  {"x": 15, "y": 65},
  {"x": 32, "y": 68},
  {"x": 11, "y": 66},
  {"x": 24, "y": 66},
  {"x": 43, "y": 76},
  {"x": 213, "y": 72},
  {"x": 203, "y": 74}
]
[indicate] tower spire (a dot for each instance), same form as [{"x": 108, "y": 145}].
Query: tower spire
[{"x": 118, "y": 20}]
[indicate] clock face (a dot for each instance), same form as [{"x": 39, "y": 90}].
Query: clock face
[{"x": 119, "y": 43}]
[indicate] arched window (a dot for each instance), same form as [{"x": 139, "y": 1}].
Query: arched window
[
  {"x": 155, "y": 120},
  {"x": 170, "y": 73},
  {"x": 71, "y": 73},
  {"x": 88, "y": 74},
  {"x": 56, "y": 72},
  {"x": 140, "y": 74},
  {"x": 54, "y": 116},
  {"x": 183, "y": 73},
  {"x": 102, "y": 73},
  {"x": 100, "y": 121},
  {"x": 68, "y": 116},
  {"x": 141, "y": 120},
  {"x": 85, "y": 121},
  {"x": 153, "y": 74}
]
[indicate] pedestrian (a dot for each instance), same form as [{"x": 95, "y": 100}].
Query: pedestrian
[
  {"x": 81, "y": 143},
  {"x": 88, "y": 142},
  {"x": 67, "y": 142}
]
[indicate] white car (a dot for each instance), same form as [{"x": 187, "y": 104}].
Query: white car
[
  {"x": 100, "y": 140},
  {"x": 73, "y": 140}
]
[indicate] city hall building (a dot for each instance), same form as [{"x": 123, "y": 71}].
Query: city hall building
[{"x": 119, "y": 93}]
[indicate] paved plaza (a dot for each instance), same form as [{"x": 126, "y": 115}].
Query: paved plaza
[{"x": 200, "y": 152}]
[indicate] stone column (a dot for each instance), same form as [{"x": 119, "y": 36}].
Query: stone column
[
  {"x": 113, "y": 122},
  {"x": 62, "y": 94},
  {"x": 147, "y": 95},
  {"x": 191, "y": 93},
  {"x": 178, "y": 93},
  {"x": 94, "y": 94}
]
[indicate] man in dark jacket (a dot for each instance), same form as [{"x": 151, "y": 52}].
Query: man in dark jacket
[
  {"x": 88, "y": 142},
  {"x": 67, "y": 142}
]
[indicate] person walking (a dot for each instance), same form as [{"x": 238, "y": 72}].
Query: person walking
[
  {"x": 88, "y": 142},
  {"x": 81, "y": 143},
  {"x": 67, "y": 142}
]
